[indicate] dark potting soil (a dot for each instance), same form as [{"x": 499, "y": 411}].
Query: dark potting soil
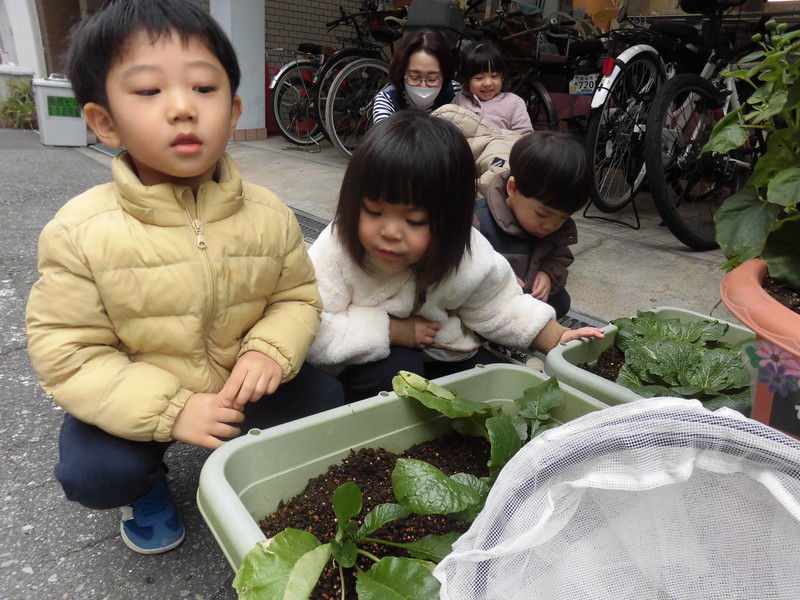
[
  {"x": 371, "y": 469},
  {"x": 611, "y": 360},
  {"x": 779, "y": 292},
  {"x": 608, "y": 364}
]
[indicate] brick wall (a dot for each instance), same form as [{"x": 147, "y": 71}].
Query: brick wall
[{"x": 291, "y": 22}]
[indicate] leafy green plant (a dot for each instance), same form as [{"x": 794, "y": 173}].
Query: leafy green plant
[
  {"x": 17, "y": 108},
  {"x": 287, "y": 566},
  {"x": 763, "y": 219},
  {"x": 666, "y": 357}
]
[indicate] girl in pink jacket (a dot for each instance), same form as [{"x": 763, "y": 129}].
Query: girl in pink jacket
[{"x": 482, "y": 75}]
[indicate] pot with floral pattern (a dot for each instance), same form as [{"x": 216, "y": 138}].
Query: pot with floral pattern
[{"x": 775, "y": 355}]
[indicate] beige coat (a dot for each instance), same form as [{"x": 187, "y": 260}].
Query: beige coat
[
  {"x": 146, "y": 296},
  {"x": 490, "y": 146}
]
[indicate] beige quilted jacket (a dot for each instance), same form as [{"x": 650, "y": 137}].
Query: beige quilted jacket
[
  {"x": 146, "y": 296},
  {"x": 490, "y": 145}
]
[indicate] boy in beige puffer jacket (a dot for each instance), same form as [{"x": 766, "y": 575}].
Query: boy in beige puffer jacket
[{"x": 173, "y": 302}]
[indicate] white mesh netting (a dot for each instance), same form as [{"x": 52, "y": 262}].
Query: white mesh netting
[{"x": 657, "y": 499}]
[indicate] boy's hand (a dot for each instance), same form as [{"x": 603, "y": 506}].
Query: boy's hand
[
  {"x": 541, "y": 286},
  {"x": 424, "y": 332},
  {"x": 574, "y": 334},
  {"x": 203, "y": 420},
  {"x": 254, "y": 375}
]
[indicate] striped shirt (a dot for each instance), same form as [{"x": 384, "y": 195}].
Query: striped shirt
[{"x": 389, "y": 100}]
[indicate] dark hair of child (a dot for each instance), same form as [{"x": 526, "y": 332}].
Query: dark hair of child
[
  {"x": 428, "y": 41},
  {"x": 553, "y": 167},
  {"x": 412, "y": 159},
  {"x": 480, "y": 58},
  {"x": 100, "y": 40}
]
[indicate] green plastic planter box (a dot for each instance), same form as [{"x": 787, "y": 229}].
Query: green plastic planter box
[
  {"x": 247, "y": 478},
  {"x": 562, "y": 362}
]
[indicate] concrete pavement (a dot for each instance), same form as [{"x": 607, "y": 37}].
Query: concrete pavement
[{"x": 53, "y": 549}]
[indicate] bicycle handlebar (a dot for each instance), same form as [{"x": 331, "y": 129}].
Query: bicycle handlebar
[{"x": 552, "y": 25}]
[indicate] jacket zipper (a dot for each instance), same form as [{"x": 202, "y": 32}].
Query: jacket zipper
[{"x": 196, "y": 222}]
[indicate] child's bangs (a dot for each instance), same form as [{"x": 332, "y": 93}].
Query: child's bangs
[{"x": 407, "y": 178}]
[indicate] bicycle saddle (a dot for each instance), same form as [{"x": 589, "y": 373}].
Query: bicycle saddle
[
  {"x": 385, "y": 35},
  {"x": 587, "y": 47},
  {"x": 677, "y": 30},
  {"x": 310, "y": 48}
]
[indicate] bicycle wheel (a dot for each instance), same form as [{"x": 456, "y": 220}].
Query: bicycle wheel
[
  {"x": 688, "y": 187},
  {"x": 326, "y": 74},
  {"x": 291, "y": 104},
  {"x": 615, "y": 134},
  {"x": 541, "y": 108},
  {"x": 348, "y": 113}
]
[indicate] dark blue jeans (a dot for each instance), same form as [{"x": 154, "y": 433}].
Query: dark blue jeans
[
  {"x": 367, "y": 380},
  {"x": 100, "y": 470}
]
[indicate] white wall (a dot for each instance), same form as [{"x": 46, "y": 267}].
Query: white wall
[
  {"x": 20, "y": 36},
  {"x": 244, "y": 24}
]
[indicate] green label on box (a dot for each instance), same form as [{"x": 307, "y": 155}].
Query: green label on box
[{"x": 63, "y": 106}]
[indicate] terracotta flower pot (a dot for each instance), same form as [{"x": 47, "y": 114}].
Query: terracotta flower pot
[{"x": 775, "y": 356}]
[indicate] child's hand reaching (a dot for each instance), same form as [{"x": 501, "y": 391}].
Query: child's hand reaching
[
  {"x": 574, "y": 334},
  {"x": 541, "y": 286},
  {"x": 254, "y": 375},
  {"x": 412, "y": 332},
  {"x": 203, "y": 420}
]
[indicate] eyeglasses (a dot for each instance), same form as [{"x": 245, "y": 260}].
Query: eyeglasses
[{"x": 417, "y": 81}]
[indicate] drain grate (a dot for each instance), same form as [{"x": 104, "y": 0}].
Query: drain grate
[
  {"x": 310, "y": 225},
  {"x": 575, "y": 320}
]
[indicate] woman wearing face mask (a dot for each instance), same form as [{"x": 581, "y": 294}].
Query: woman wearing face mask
[{"x": 420, "y": 76}]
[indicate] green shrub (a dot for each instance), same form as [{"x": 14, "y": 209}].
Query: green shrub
[{"x": 18, "y": 109}]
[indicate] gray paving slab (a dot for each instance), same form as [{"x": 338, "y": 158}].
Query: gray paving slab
[{"x": 51, "y": 548}]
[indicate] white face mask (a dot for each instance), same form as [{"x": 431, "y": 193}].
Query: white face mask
[{"x": 422, "y": 97}]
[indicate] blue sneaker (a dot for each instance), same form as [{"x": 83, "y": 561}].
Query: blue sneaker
[{"x": 151, "y": 524}]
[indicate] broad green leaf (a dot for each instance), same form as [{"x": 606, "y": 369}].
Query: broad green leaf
[
  {"x": 432, "y": 547},
  {"x": 537, "y": 401},
  {"x": 433, "y": 396},
  {"x": 743, "y": 402},
  {"x": 481, "y": 487},
  {"x": 728, "y": 134},
  {"x": 743, "y": 222},
  {"x": 784, "y": 189},
  {"x": 344, "y": 552},
  {"x": 425, "y": 490},
  {"x": 718, "y": 370},
  {"x": 396, "y": 578},
  {"x": 286, "y": 569},
  {"x": 780, "y": 253},
  {"x": 506, "y": 434},
  {"x": 347, "y": 502},
  {"x": 379, "y": 516}
]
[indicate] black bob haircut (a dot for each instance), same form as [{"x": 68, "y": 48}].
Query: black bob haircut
[
  {"x": 413, "y": 159},
  {"x": 482, "y": 57},
  {"x": 99, "y": 40},
  {"x": 554, "y": 168}
]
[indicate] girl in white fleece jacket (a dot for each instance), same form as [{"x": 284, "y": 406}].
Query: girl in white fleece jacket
[{"x": 406, "y": 282}]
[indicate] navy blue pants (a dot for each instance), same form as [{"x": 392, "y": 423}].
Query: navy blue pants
[
  {"x": 561, "y": 302},
  {"x": 100, "y": 470},
  {"x": 367, "y": 380}
]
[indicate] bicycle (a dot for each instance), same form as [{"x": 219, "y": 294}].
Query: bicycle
[
  {"x": 553, "y": 85},
  {"x": 375, "y": 38},
  {"x": 622, "y": 100},
  {"x": 686, "y": 184},
  {"x": 348, "y": 112},
  {"x": 291, "y": 101},
  {"x": 299, "y": 88}
]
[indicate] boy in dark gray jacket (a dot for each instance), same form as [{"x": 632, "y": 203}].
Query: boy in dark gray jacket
[{"x": 527, "y": 213}]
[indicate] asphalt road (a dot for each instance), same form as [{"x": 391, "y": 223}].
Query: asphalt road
[{"x": 51, "y": 548}]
